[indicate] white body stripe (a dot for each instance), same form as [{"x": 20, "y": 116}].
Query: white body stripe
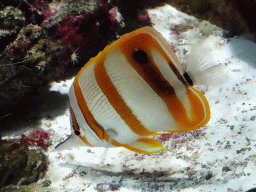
[
  {"x": 101, "y": 109},
  {"x": 171, "y": 55}
]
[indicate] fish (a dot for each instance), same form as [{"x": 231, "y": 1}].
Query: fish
[{"x": 134, "y": 89}]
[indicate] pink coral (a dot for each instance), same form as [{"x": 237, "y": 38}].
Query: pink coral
[
  {"x": 177, "y": 138},
  {"x": 112, "y": 14},
  {"x": 173, "y": 48},
  {"x": 42, "y": 8},
  {"x": 166, "y": 137},
  {"x": 144, "y": 18},
  {"x": 87, "y": 31},
  {"x": 103, "y": 187},
  {"x": 36, "y": 138},
  {"x": 37, "y": 5},
  {"x": 70, "y": 175},
  {"x": 176, "y": 30},
  {"x": 20, "y": 43}
]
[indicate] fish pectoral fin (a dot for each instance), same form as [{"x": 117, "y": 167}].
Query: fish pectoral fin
[{"x": 147, "y": 145}]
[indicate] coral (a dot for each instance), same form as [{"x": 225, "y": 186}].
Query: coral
[
  {"x": 166, "y": 137},
  {"x": 12, "y": 18},
  {"x": 56, "y": 32},
  {"x": 180, "y": 137},
  {"x": 70, "y": 174},
  {"x": 112, "y": 14},
  {"x": 103, "y": 187},
  {"x": 22, "y": 64},
  {"x": 38, "y": 6},
  {"x": 25, "y": 38},
  {"x": 19, "y": 165},
  {"x": 37, "y": 138},
  {"x": 42, "y": 8},
  {"x": 173, "y": 48},
  {"x": 11, "y": 21},
  {"x": 176, "y": 30},
  {"x": 144, "y": 19},
  {"x": 90, "y": 32}
]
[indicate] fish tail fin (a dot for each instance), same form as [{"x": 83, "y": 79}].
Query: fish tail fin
[{"x": 203, "y": 66}]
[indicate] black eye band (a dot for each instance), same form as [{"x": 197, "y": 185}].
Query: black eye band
[
  {"x": 140, "y": 56},
  {"x": 187, "y": 79}
]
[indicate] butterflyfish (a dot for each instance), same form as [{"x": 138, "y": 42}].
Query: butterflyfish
[{"x": 134, "y": 89}]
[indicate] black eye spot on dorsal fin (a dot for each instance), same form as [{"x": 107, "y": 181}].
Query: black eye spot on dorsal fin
[
  {"x": 187, "y": 78},
  {"x": 140, "y": 56}
]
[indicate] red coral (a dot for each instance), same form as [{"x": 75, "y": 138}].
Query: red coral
[
  {"x": 68, "y": 31},
  {"x": 103, "y": 187},
  {"x": 70, "y": 175},
  {"x": 197, "y": 131},
  {"x": 38, "y": 5},
  {"x": 144, "y": 18},
  {"x": 112, "y": 14},
  {"x": 20, "y": 43},
  {"x": 42, "y": 8},
  {"x": 176, "y": 136},
  {"x": 176, "y": 30},
  {"x": 47, "y": 14},
  {"x": 89, "y": 31},
  {"x": 36, "y": 138},
  {"x": 173, "y": 48},
  {"x": 166, "y": 137}
]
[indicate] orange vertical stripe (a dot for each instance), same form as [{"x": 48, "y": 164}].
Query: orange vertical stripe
[
  {"x": 92, "y": 122},
  {"x": 106, "y": 137},
  {"x": 98, "y": 129},
  {"x": 117, "y": 101},
  {"x": 196, "y": 104}
]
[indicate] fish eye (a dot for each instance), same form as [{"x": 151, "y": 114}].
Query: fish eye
[
  {"x": 77, "y": 132},
  {"x": 187, "y": 78},
  {"x": 140, "y": 56}
]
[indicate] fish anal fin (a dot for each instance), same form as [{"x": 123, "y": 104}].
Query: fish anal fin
[{"x": 147, "y": 146}]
